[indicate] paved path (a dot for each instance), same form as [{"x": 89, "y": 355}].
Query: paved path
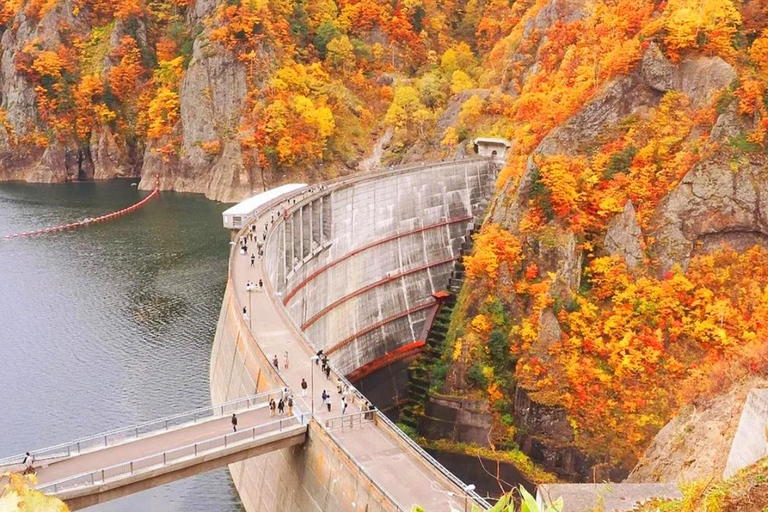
[
  {"x": 404, "y": 474},
  {"x": 150, "y": 445}
]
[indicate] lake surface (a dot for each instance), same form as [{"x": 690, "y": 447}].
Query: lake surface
[{"x": 109, "y": 325}]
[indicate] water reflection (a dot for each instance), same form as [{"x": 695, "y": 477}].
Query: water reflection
[{"x": 111, "y": 324}]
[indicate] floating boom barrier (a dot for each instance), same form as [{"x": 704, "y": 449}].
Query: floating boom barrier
[{"x": 87, "y": 222}]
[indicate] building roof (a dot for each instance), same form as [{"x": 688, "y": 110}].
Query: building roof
[
  {"x": 492, "y": 140},
  {"x": 250, "y": 204},
  {"x": 609, "y": 497}
]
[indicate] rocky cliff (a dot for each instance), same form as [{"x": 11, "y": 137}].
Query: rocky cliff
[
  {"x": 623, "y": 238},
  {"x": 227, "y": 98}
]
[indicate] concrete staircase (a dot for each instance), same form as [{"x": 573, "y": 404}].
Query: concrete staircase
[{"x": 419, "y": 371}]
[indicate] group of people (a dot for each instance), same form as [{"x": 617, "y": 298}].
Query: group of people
[
  {"x": 250, "y": 285},
  {"x": 276, "y": 362},
  {"x": 278, "y": 408},
  {"x": 323, "y": 360},
  {"x": 327, "y": 402}
]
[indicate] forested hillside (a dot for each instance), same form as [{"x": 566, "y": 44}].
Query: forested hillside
[
  {"x": 228, "y": 97},
  {"x": 622, "y": 273}
]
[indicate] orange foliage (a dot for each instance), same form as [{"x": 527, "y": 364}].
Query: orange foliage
[{"x": 494, "y": 248}]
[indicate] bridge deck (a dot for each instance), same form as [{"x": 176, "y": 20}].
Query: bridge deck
[
  {"x": 402, "y": 473},
  {"x": 143, "y": 447}
]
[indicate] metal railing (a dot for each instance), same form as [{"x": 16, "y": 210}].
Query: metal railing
[
  {"x": 132, "y": 432},
  {"x": 479, "y": 500},
  {"x": 348, "y": 421},
  {"x": 175, "y": 455}
]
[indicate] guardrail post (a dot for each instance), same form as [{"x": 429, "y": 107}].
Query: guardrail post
[
  {"x": 102, "y": 475},
  {"x": 225, "y": 440},
  {"x": 131, "y": 467},
  {"x": 195, "y": 449},
  {"x": 78, "y": 447},
  {"x": 166, "y": 424},
  {"x": 164, "y": 460},
  {"x": 69, "y": 451}
]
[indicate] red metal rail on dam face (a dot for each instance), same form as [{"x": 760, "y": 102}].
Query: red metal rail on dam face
[
  {"x": 346, "y": 341},
  {"x": 86, "y": 222},
  {"x": 371, "y": 286},
  {"x": 365, "y": 247},
  {"x": 404, "y": 352}
]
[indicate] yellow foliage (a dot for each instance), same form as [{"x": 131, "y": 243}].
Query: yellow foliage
[
  {"x": 19, "y": 496},
  {"x": 460, "y": 82}
]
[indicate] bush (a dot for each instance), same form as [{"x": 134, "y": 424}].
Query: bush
[{"x": 475, "y": 375}]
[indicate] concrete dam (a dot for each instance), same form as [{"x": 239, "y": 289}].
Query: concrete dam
[{"x": 349, "y": 267}]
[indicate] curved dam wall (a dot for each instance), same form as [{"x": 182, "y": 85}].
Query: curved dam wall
[
  {"x": 314, "y": 477},
  {"x": 356, "y": 263}
]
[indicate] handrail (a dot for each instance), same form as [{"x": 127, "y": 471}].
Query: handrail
[
  {"x": 68, "y": 448},
  {"x": 348, "y": 420},
  {"x": 163, "y": 458},
  {"x": 442, "y": 469}
]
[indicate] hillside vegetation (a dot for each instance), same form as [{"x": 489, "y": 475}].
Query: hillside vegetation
[{"x": 622, "y": 272}]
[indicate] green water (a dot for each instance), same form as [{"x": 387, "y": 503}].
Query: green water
[{"x": 109, "y": 325}]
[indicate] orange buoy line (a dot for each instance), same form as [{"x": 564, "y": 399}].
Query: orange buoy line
[{"x": 87, "y": 222}]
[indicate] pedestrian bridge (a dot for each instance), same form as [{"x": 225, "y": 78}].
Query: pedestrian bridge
[{"x": 109, "y": 465}]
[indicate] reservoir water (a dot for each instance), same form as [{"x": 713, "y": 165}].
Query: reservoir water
[{"x": 110, "y": 325}]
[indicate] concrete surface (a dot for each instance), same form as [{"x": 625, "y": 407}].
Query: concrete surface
[
  {"x": 369, "y": 469},
  {"x": 750, "y": 443},
  {"x": 607, "y": 497}
]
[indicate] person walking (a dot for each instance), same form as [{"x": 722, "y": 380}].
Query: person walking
[
  {"x": 325, "y": 399},
  {"x": 280, "y": 407},
  {"x": 319, "y": 356},
  {"x": 29, "y": 460},
  {"x": 327, "y": 371},
  {"x": 343, "y": 405},
  {"x": 285, "y": 360},
  {"x": 261, "y": 284},
  {"x": 303, "y": 387},
  {"x": 276, "y": 363},
  {"x": 271, "y": 406},
  {"x": 234, "y": 422},
  {"x": 253, "y": 259},
  {"x": 290, "y": 406}
]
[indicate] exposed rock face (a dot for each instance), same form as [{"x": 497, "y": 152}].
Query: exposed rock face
[
  {"x": 112, "y": 159},
  {"x": 731, "y": 124},
  {"x": 702, "y": 77},
  {"x": 687, "y": 215},
  {"x": 539, "y": 426},
  {"x": 713, "y": 205},
  {"x": 695, "y": 444},
  {"x": 623, "y": 237},
  {"x": 212, "y": 97}
]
